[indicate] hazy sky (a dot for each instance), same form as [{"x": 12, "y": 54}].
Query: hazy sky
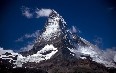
[{"x": 94, "y": 19}]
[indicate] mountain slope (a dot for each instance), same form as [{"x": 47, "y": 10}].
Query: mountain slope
[{"x": 59, "y": 49}]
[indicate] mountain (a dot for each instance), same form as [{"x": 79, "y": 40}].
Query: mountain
[{"x": 58, "y": 50}]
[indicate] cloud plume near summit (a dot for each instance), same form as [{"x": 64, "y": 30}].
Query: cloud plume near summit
[
  {"x": 43, "y": 12},
  {"x": 27, "y": 12}
]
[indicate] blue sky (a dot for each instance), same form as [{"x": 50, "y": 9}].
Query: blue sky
[{"x": 94, "y": 18}]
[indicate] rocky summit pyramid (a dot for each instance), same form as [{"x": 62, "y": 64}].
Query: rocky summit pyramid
[
  {"x": 55, "y": 41},
  {"x": 56, "y": 34},
  {"x": 58, "y": 50}
]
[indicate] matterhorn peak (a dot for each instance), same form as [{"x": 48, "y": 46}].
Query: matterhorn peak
[
  {"x": 53, "y": 27},
  {"x": 55, "y": 33}
]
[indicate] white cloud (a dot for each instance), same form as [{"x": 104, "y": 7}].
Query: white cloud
[
  {"x": 43, "y": 12},
  {"x": 19, "y": 39},
  {"x": 27, "y": 48},
  {"x": 98, "y": 41},
  {"x": 26, "y": 36},
  {"x": 35, "y": 34},
  {"x": 74, "y": 29},
  {"x": 109, "y": 54},
  {"x": 26, "y": 12}
]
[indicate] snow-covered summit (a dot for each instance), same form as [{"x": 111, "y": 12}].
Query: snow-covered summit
[{"x": 53, "y": 27}]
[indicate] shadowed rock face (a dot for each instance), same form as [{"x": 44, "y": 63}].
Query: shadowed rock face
[
  {"x": 6, "y": 67},
  {"x": 62, "y": 65}
]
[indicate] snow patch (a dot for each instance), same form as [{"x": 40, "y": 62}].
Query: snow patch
[
  {"x": 96, "y": 54},
  {"x": 3, "y": 51},
  {"x": 37, "y": 57},
  {"x": 52, "y": 29},
  {"x": 83, "y": 57}
]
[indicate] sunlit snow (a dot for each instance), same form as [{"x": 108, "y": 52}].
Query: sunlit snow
[
  {"x": 38, "y": 56},
  {"x": 52, "y": 30}
]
